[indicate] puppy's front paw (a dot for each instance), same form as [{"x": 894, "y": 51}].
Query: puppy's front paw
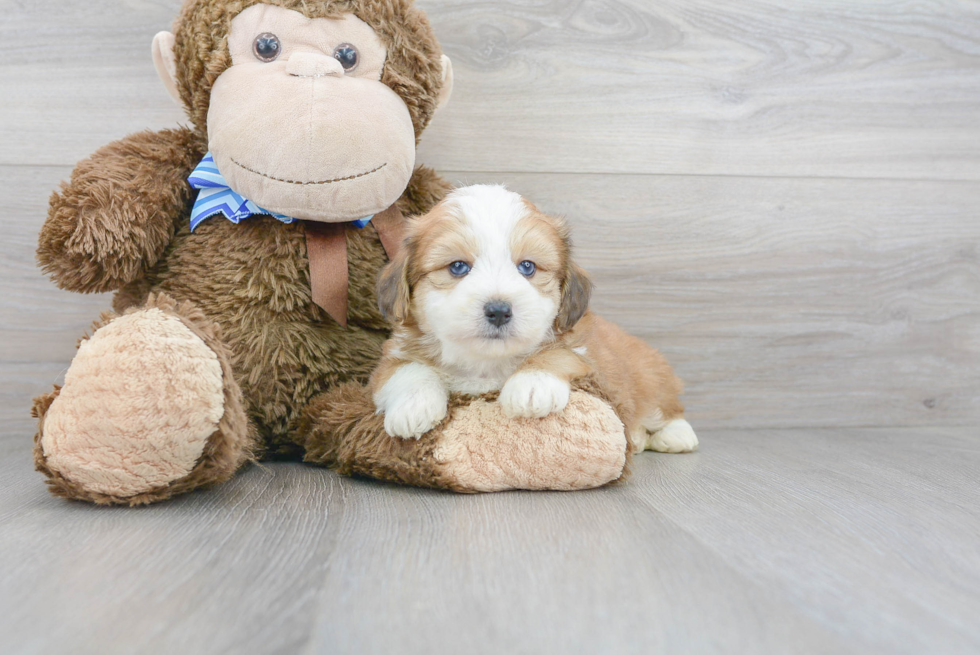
[
  {"x": 414, "y": 400},
  {"x": 416, "y": 412},
  {"x": 533, "y": 394}
]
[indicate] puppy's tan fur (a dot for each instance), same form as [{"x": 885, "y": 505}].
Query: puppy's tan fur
[{"x": 636, "y": 378}]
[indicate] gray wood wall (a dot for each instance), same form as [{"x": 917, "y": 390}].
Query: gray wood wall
[{"x": 784, "y": 197}]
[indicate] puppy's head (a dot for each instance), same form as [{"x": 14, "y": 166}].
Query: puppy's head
[{"x": 486, "y": 274}]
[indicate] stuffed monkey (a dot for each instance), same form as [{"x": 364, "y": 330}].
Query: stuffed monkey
[{"x": 243, "y": 253}]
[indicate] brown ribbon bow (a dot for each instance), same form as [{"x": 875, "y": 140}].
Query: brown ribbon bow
[{"x": 326, "y": 247}]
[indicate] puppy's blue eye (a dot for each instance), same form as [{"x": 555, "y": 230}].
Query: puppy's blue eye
[
  {"x": 526, "y": 268},
  {"x": 459, "y": 269}
]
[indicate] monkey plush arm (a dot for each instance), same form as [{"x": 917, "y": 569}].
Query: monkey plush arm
[{"x": 118, "y": 213}]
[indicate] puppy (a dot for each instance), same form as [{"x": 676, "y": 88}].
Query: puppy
[{"x": 484, "y": 296}]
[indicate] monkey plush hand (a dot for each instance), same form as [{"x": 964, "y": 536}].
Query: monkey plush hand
[{"x": 243, "y": 253}]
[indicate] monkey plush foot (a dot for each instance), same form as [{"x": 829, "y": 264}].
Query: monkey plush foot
[
  {"x": 475, "y": 449},
  {"x": 149, "y": 409}
]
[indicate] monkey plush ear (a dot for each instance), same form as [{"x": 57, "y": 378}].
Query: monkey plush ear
[
  {"x": 394, "y": 293},
  {"x": 447, "y": 83},
  {"x": 576, "y": 291},
  {"x": 166, "y": 64}
]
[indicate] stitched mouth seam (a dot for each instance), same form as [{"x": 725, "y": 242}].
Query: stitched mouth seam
[{"x": 279, "y": 179}]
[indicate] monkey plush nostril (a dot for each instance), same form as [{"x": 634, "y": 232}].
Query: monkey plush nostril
[
  {"x": 498, "y": 313},
  {"x": 310, "y": 64}
]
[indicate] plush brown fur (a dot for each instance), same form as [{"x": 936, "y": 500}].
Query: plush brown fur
[{"x": 115, "y": 218}]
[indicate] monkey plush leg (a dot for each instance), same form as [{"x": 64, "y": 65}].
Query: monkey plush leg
[
  {"x": 149, "y": 409},
  {"x": 475, "y": 449}
]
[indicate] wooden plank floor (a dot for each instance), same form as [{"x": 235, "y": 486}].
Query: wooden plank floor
[
  {"x": 782, "y": 195},
  {"x": 770, "y": 541}
]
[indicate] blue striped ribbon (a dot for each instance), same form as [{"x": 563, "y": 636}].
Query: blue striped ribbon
[{"x": 216, "y": 197}]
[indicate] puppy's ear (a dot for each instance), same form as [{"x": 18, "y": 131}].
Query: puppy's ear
[
  {"x": 394, "y": 292},
  {"x": 576, "y": 291}
]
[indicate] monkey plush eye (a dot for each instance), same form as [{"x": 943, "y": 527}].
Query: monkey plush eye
[
  {"x": 459, "y": 269},
  {"x": 267, "y": 47},
  {"x": 347, "y": 55},
  {"x": 527, "y": 268}
]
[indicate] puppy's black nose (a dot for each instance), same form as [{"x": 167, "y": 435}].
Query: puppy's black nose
[{"x": 498, "y": 313}]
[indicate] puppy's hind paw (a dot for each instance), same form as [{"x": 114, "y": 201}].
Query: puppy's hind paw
[
  {"x": 533, "y": 394},
  {"x": 675, "y": 437}
]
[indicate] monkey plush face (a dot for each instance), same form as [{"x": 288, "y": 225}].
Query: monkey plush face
[{"x": 300, "y": 120}]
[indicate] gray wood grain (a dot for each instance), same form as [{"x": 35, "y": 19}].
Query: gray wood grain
[
  {"x": 39, "y": 322},
  {"x": 596, "y": 572},
  {"x": 782, "y": 302},
  {"x": 235, "y": 571},
  {"x": 808, "y": 88},
  {"x": 865, "y": 529},
  {"x": 789, "y": 541},
  {"x": 840, "y": 88},
  {"x": 690, "y": 145},
  {"x": 79, "y": 77}
]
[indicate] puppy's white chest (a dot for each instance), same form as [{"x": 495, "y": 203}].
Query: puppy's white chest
[
  {"x": 475, "y": 386},
  {"x": 491, "y": 376}
]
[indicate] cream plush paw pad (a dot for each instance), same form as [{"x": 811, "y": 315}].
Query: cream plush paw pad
[
  {"x": 140, "y": 400},
  {"x": 581, "y": 448}
]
